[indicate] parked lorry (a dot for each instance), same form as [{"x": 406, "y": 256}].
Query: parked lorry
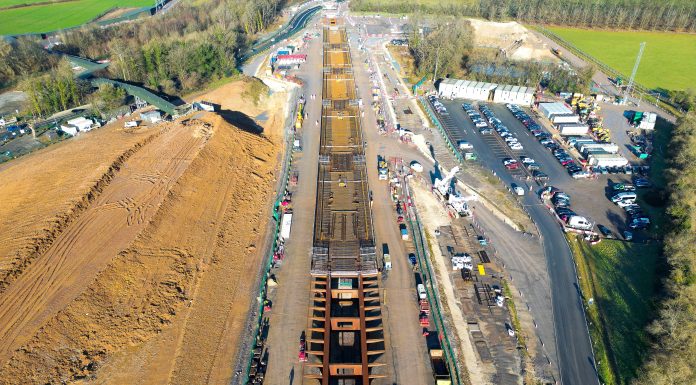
[
  {"x": 382, "y": 168},
  {"x": 611, "y": 148},
  {"x": 565, "y": 118},
  {"x": 404, "y": 232},
  {"x": 421, "y": 291},
  {"x": 440, "y": 369},
  {"x": 285, "y": 224},
  {"x": 387, "y": 257},
  {"x": 607, "y": 160},
  {"x": 567, "y": 129}
]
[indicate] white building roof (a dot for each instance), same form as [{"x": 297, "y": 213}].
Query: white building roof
[
  {"x": 80, "y": 122},
  {"x": 555, "y": 108}
]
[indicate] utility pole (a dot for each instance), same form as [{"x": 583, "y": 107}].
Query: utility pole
[{"x": 629, "y": 89}]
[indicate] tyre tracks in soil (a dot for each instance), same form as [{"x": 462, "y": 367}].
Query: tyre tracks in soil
[{"x": 89, "y": 242}]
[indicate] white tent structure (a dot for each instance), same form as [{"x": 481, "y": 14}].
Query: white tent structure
[{"x": 523, "y": 96}]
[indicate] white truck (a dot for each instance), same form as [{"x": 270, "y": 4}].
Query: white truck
[
  {"x": 285, "y": 224},
  {"x": 421, "y": 291},
  {"x": 565, "y": 118},
  {"x": 568, "y": 129},
  {"x": 611, "y": 148},
  {"x": 607, "y": 160}
]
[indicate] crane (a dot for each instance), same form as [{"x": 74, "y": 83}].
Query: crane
[
  {"x": 443, "y": 185},
  {"x": 629, "y": 89}
]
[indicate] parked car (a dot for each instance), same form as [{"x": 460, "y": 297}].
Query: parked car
[
  {"x": 540, "y": 176},
  {"x": 605, "y": 231},
  {"x": 517, "y": 189},
  {"x": 641, "y": 183}
]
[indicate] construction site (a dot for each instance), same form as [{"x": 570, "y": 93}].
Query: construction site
[
  {"x": 345, "y": 335},
  {"x": 129, "y": 254}
]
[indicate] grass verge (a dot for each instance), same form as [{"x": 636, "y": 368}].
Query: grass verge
[
  {"x": 406, "y": 63},
  {"x": 621, "y": 279},
  {"x": 515, "y": 319}
]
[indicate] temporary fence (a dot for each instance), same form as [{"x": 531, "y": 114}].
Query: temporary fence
[
  {"x": 443, "y": 133},
  {"x": 268, "y": 258},
  {"x": 429, "y": 281}
]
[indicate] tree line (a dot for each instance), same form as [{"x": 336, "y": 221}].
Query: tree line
[
  {"x": 193, "y": 44},
  {"x": 673, "y": 357},
  {"x": 447, "y": 50},
  {"x": 57, "y": 90},
  {"x": 663, "y": 15}
]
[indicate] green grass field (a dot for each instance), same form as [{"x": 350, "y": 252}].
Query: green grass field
[
  {"x": 45, "y": 18},
  {"x": 621, "y": 277},
  {"x": 668, "y": 61}
]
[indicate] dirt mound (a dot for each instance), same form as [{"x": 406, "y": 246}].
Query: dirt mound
[
  {"x": 503, "y": 35},
  {"x": 139, "y": 269},
  {"x": 43, "y": 192}
]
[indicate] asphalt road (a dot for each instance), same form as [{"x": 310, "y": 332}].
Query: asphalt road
[
  {"x": 297, "y": 22},
  {"x": 575, "y": 360}
]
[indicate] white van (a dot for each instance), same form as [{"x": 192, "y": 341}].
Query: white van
[
  {"x": 578, "y": 222},
  {"x": 421, "y": 291},
  {"x": 624, "y": 196}
]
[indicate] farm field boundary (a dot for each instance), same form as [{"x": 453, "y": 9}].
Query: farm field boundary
[
  {"x": 639, "y": 88},
  {"x": 44, "y": 18}
]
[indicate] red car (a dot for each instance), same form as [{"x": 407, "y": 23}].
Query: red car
[{"x": 511, "y": 164}]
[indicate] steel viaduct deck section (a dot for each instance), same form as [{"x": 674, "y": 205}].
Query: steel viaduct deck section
[{"x": 345, "y": 335}]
